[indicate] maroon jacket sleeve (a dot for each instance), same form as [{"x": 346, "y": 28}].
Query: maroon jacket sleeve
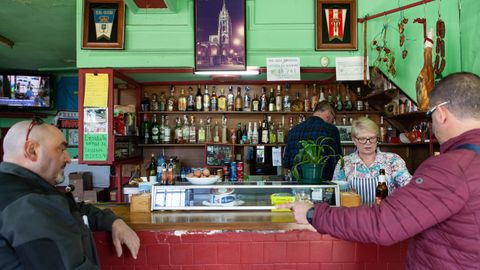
[{"x": 437, "y": 190}]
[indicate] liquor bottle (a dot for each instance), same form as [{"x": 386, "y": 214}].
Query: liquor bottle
[
  {"x": 330, "y": 97},
  {"x": 167, "y": 131},
  {"x": 193, "y": 130},
  {"x": 265, "y": 135},
  {"x": 286, "y": 99},
  {"x": 279, "y": 99},
  {"x": 154, "y": 103},
  {"x": 224, "y": 129},
  {"x": 247, "y": 100},
  {"x": 348, "y": 101},
  {"x": 272, "y": 134},
  {"x": 297, "y": 105},
  {"x": 271, "y": 101},
  {"x": 145, "y": 129},
  {"x": 239, "y": 100},
  {"x": 162, "y": 102},
  {"x": 254, "y": 139},
  {"x": 344, "y": 120},
  {"x": 359, "y": 100},
  {"x": 222, "y": 101},
  {"x": 239, "y": 134},
  {"x": 171, "y": 100},
  {"x": 201, "y": 132},
  {"x": 245, "y": 139},
  {"x": 145, "y": 105},
  {"x": 214, "y": 100},
  {"x": 314, "y": 97},
  {"x": 381, "y": 191},
  {"x": 230, "y": 99},
  {"x": 280, "y": 133},
  {"x": 182, "y": 101},
  {"x": 161, "y": 165},
  {"x": 162, "y": 129},
  {"x": 263, "y": 100},
  {"x": 155, "y": 130},
  {"x": 208, "y": 130},
  {"x": 322, "y": 95},
  {"x": 339, "y": 103},
  {"x": 185, "y": 130},
  {"x": 216, "y": 136},
  {"x": 178, "y": 131},
  {"x": 290, "y": 123},
  {"x": 255, "y": 104},
  {"x": 152, "y": 170},
  {"x": 306, "y": 102},
  {"x": 233, "y": 138},
  {"x": 199, "y": 100},
  {"x": 190, "y": 100},
  {"x": 383, "y": 130},
  {"x": 206, "y": 100},
  {"x": 250, "y": 132}
]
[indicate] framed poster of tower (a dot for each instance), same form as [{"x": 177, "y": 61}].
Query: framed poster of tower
[
  {"x": 220, "y": 35},
  {"x": 336, "y": 25}
]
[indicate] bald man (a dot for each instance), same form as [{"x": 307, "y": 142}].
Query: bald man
[{"x": 40, "y": 227}]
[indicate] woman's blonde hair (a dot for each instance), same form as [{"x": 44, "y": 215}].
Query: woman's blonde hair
[{"x": 364, "y": 123}]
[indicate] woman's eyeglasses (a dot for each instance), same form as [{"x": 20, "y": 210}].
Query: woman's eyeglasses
[
  {"x": 364, "y": 140},
  {"x": 430, "y": 112},
  {"x": 36, "y": 121}
]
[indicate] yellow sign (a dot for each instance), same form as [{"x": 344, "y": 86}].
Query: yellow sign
[{"x": 96, "y": 90}]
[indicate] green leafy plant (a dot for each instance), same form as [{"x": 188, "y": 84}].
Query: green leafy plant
[{"x": 313, "y": 152}]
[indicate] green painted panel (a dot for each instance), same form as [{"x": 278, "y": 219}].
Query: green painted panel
[{"x": 470, "y": 19}]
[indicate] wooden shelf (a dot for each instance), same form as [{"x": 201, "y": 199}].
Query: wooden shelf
[
  {"x": 410, "y": 115},
  {"x": 128, "y": 160},
  {"x": 381, "y": 95}
]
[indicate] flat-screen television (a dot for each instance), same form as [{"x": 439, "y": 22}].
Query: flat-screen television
[{"x": 26, "y": 91}]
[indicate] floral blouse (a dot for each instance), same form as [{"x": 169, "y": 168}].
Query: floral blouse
[{"x": 396, "y": 172}]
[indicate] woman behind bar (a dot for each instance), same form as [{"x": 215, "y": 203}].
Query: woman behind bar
[{"x": 362, "y": 167}]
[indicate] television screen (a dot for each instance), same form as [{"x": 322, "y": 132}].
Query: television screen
[{"x": 26, "y": 91}]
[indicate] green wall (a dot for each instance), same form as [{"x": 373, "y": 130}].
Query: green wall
[{"x": 277, "y": 28}]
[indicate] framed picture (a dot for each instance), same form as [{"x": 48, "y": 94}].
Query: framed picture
[
  {"x": 103, "y": 24},
  {"x": 217, "y": 154},
  {"x": 336, "y": 25},
  {"x": 345, "y": 134},
  {"x": 72, "y": 137},
  {"x": 220, "y": 35}
]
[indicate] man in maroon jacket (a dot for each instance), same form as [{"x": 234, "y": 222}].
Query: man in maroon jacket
[{"x": 440, "y": 208}]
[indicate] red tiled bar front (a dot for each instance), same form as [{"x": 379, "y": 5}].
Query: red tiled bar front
[{"x": 239, "y": 240}]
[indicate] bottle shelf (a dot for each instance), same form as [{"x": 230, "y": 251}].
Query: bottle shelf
[
  {"x": 203, "y": 144},
  {"x": 254, "y": 113},
  {"x": 410, "y": 115}
]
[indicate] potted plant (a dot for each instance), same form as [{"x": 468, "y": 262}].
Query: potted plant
[{"x": 311, "y": 157}]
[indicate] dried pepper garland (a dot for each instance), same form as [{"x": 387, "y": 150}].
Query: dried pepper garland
[{"x": 385, "y": 54}]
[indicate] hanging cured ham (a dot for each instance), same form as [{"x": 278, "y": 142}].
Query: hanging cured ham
[{"x": 425, "y": 80}]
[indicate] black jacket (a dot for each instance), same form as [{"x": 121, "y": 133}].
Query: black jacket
[{"x": 41, "y": 228}]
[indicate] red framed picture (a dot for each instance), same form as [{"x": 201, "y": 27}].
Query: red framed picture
[{"x": 336, "y": 25}]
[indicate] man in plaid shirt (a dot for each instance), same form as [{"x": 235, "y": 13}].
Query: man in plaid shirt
[{"x": 319, "y": 124}]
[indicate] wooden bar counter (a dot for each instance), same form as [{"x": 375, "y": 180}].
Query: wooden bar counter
[{"x": 194, "y": 240}]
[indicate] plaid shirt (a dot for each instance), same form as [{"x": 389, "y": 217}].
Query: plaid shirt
[{"x": 311, "y": 129}]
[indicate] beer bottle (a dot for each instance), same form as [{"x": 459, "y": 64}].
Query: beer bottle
[
  {"x": 152, "y": 170},
  {"x": 381, "y": 191}
]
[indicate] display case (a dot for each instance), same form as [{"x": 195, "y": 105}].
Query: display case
[{"x": 239, "y": 196}]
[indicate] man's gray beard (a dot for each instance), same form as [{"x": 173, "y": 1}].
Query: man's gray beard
[{"x": 60, "y": 178}]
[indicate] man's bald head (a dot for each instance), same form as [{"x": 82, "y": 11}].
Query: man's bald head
[{"x": 43, "y": 153}]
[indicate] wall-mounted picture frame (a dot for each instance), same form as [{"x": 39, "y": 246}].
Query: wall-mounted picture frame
[
  {"x": 103, "y": 24},
  {"x": 345, "y": 134},
  {"x": 72, "y": 137},
  {"x": 336, "y": 25},
  {"x": 217, "y": 154},
  {"x": 220, "y": 35}
]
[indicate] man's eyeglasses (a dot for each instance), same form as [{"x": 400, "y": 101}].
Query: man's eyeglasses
[
  {"x": 430, "y": 112},
  {"x": 36, "y": 121},
  {"x": 364, "y": 140}
]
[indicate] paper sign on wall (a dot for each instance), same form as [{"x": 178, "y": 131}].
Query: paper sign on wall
[
  {"x": 95, "y": 146},
  {"x": 276, "y": 156},
  {"x": 350, "y": 68},
  {"x": 96, "y": 90},
  {"x": 283, "y": 69}
]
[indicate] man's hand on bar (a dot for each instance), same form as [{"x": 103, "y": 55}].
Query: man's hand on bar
[
  {"x": 299, "y": 210},
  {"x": 123, "y": 234}
]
